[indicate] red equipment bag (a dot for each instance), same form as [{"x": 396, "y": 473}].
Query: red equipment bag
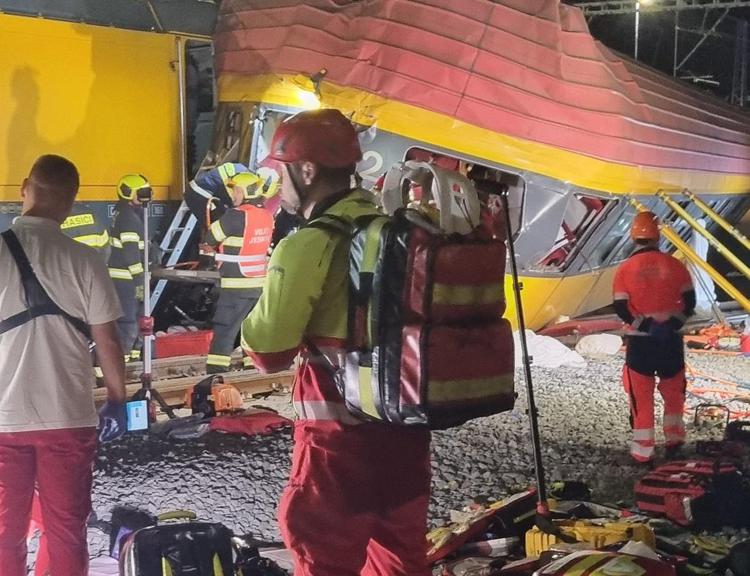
[
  {"x": 673, "y": 489},
  {"x": 427, "y": 342}
]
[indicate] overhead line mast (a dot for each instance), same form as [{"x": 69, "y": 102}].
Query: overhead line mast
[{"x": 740, "y": 76}]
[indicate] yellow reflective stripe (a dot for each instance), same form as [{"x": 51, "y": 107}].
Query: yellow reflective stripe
[
  {"x": 463, "y": 295},
  {"x": 586, "y": 564},
  {"x": 247, "y": 362},
  {"x": 77, "y": 220},
  {"x": 366, "y": 398},
  {"x": 233, "y": 241},
  {"x": 120, "y": 274},
  {"x": 217, "y": 231},
  {"x": 98, "y": 372},
  {"x": 135, "y": 354},
  {"x": 470, "y": 389},
  {"x": 141, "y": 244},
  {"x": 136, "y": 268},
  {"x": 93, "y": 240},
  {"x": 129, "y": 237},
  {"x": 226, "y": 171},
  {"x": 219, "y": 360},
  {"x": 115, "y": 242},
  {"x": 242, "y": 282}
]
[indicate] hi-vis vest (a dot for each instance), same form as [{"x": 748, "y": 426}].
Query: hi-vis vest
[
  {"x": 244, "y": 235},
  {"x": 82, "y": 226}
]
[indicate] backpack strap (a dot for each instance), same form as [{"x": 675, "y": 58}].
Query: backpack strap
[
  {"x": 38, "y": 301},
  {"x": 334, "y": 224}
]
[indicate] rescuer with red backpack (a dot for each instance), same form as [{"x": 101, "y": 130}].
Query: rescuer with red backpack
[
  {"x": 358, "y": 494},
  {"x": 654, "y": 295},
  {"x": 242, "y": 237}
]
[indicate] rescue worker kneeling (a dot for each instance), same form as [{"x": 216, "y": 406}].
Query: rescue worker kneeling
[
  {"x": 357, "y": 498},
  {"x": 653, "y": 294},
  {"x": 243, "y": 235}
]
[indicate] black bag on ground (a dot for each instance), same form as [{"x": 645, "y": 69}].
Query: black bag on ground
[{"x": 180, "y": 549}]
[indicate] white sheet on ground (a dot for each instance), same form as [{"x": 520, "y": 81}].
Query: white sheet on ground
[
  {"x": 599, "y": 345},
  {"x": 547, "y": 352}
]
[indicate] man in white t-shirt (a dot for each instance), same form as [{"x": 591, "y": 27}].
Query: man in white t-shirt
[{"x": 47, "y": 416}]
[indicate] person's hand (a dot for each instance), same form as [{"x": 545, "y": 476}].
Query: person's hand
[
  {"x": 112, "y": 421},
  {"x": 207, "y": 249},
  {"x": 660, "y": 331},
  {"x": 139, "y": 293}
]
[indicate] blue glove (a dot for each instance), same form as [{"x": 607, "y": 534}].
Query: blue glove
[
  {"x": 660, "y": 331},
  {"x": 112, "y": 421}
]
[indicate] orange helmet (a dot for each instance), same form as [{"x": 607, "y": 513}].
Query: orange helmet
[{"x": 645, "y": 227}]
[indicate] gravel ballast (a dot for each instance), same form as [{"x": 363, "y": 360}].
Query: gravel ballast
[{"x": 583, "y": 420}]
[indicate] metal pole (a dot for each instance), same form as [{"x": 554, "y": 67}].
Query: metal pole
[
  {"x": 637, "y": 24},
  {"x": 713, "y": 215},
  {"x": 676, "y": 39},
  {"x": 542, "y": 506}
]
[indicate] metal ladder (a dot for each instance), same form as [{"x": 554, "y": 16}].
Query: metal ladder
[{"x": 173, "y": 243}]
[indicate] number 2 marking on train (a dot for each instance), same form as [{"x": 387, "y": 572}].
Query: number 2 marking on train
[{"x": 373, "y": 172}]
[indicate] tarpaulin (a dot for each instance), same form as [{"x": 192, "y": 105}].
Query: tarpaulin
[{"x": 525, "y": 68}]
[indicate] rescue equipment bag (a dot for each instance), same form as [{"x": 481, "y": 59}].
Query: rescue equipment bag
[
  {"x": 37, "y": 299},
  {"x": 700, "y": 493},
  {"x": 595, "y": 563},
  {"x": 180, "y": 549},
  {"x": 427, "y": 344}
]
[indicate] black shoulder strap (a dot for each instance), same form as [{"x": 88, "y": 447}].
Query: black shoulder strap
[
  {"x": 333, "y": 224},
  {"x": 38, "y": 301}
]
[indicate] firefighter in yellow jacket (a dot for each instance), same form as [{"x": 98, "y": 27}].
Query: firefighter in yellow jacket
[
  {"x": 357, "y": 498},
  {"x": 242, "y": 235}
]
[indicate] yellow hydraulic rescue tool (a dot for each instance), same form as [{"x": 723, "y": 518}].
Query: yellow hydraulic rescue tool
[{"x": 690, "y": 254}]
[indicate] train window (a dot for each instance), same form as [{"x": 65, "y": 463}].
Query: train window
[
  {"x": 488, "y": 180},
  {"x": 582, "y": 215},
  {"x": 616, "y": 242}
]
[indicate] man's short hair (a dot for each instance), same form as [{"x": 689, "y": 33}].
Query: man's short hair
[{"x": 55, "y": 179}]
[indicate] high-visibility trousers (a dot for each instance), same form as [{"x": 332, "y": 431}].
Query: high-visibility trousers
[
  {"x": 59, "y": 463},
  {"x": 357, "y": 500},
  {"x": 232, "y": 308},
  {"x": 645, "y": 360}
]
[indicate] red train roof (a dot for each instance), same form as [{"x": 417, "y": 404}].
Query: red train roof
[{"x": 526, "y": 68}]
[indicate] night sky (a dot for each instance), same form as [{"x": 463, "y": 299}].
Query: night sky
[{"x": 656, "y": 45}]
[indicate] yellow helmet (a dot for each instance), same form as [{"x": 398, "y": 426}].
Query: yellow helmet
[
  {"x": 128, "y": 186},
  {"x": 227, "y": 172},
  {"x": 251, "y": 184}
]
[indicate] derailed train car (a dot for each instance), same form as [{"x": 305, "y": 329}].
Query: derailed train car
[{"x": 517, "y": 88}]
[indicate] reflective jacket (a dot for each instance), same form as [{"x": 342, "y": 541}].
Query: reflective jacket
[
  {"x": 244, "y": 234},
  {"x": 652, "y": 284},
  {"x": 126, "y": 258},
  {"x": 83, "y": 226},
  {"x": 305, "y": 300}
]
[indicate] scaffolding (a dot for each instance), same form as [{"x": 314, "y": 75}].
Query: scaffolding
[{"x": 739, "y": 92}]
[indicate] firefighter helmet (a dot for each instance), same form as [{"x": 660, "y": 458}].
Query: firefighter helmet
[
  {"x": 645, "y": 227},
  {"x": 229, "y": 170},
  {"x": 325, "y": 137},
  {"x": 130, "y": 184},
  {"x": 251, "y": 185}
]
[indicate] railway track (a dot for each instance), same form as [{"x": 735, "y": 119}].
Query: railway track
[{"x": 173, "y": 376}]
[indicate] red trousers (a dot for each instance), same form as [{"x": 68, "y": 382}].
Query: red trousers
[
  {"x": 357, "y": 500},
  {"x": 59, "y": 463}
]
